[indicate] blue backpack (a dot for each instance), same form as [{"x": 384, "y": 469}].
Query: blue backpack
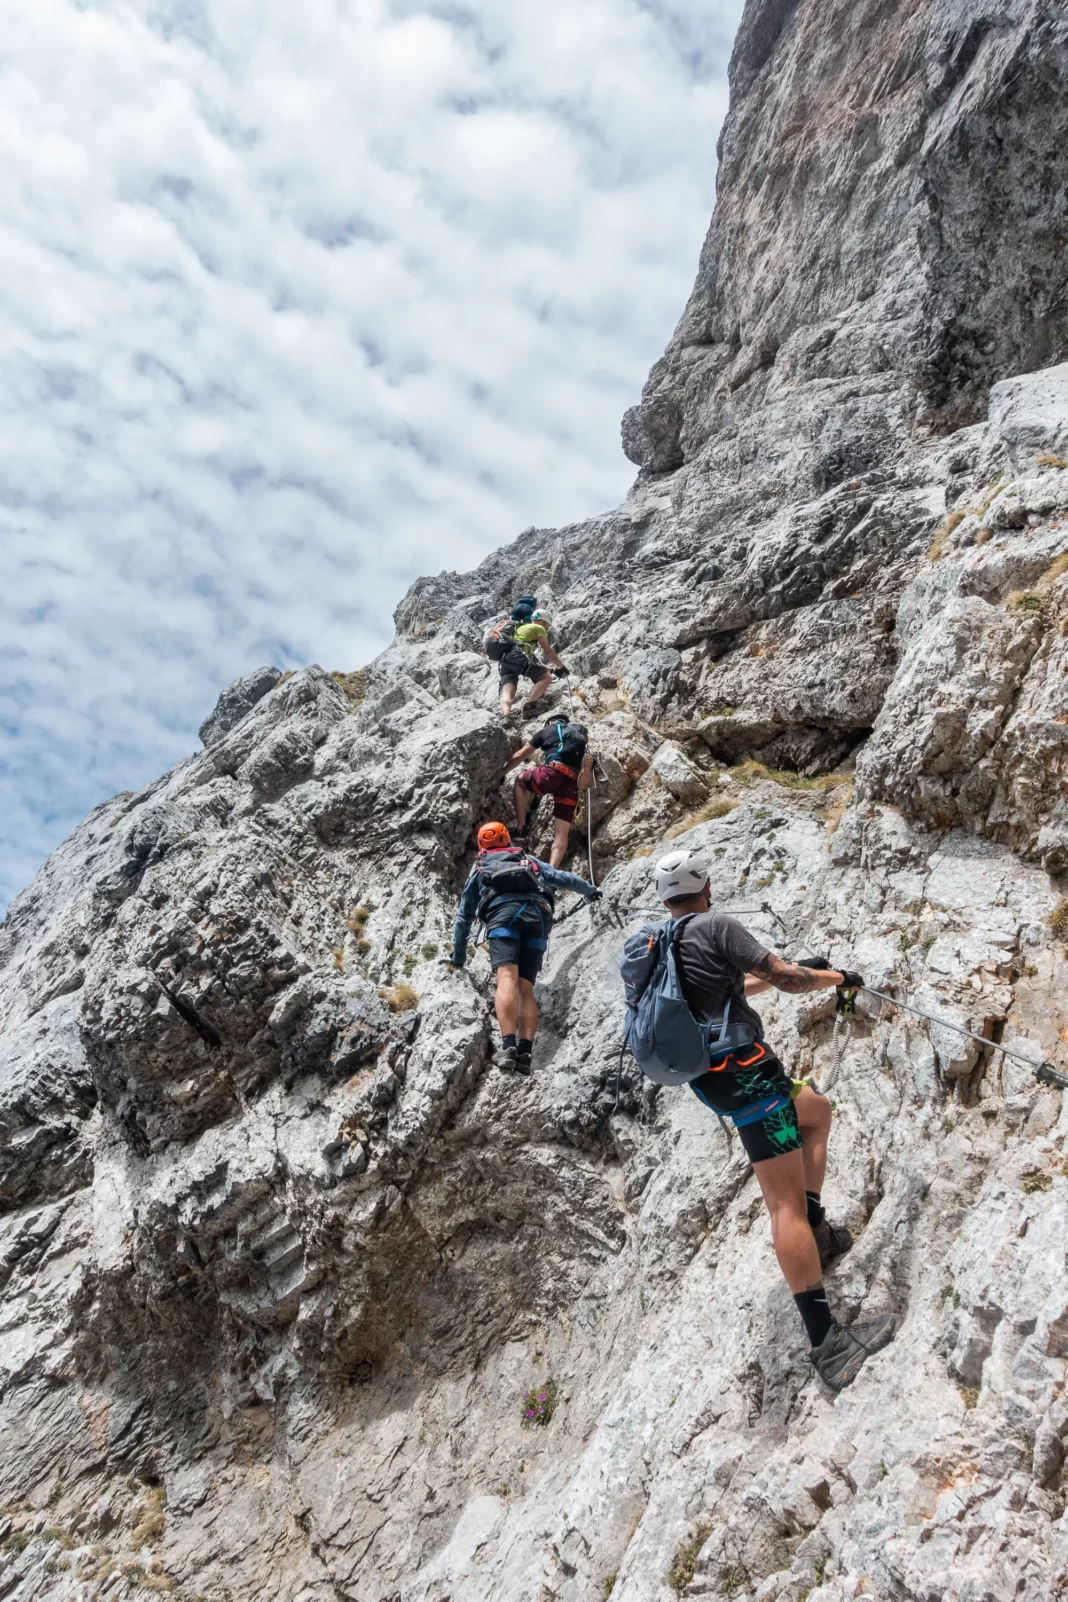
[{"x": 667, "y": 1042}]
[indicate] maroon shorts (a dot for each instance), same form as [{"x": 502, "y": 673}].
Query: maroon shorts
[{"x": 561, "y": 786}]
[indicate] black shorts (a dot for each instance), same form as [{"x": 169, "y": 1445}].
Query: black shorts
[
  {"x": 513, "y": 669},
  {"x": 520, "y": 937},
  {"x": 740, "y": 1082}
]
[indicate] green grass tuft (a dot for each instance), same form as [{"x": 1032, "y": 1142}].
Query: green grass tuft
[
  {"x": 716, "y": 808},
  {"x": 353, "y": 684},
  {"x": 685, "y": 1565}
]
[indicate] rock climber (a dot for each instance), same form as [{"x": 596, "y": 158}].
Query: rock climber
[
  {"x": 513, "y": 896},
  {"x": 520, "y": 661},
  {"x": 563, "y": 769},
  {"x": 782, "y": 1125}
]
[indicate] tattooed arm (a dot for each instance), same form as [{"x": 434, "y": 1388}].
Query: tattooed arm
[{"x": 772, "y": 973}]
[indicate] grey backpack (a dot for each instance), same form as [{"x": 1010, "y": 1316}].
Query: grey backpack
[{"x": 667, "y": 1042}]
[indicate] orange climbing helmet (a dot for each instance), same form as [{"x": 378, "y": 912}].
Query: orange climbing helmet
[{"x": 493, "y": 836}]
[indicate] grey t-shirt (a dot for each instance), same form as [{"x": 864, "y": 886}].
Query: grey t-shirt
[{"x": 714, "y": 954}]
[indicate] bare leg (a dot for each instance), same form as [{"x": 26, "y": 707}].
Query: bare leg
[
  {"x": 507, "y": 697},
  {"x": 521, "y": 800},
  {"x": 507, "y": 999},
  {"x": 561, "y": 833},
  {"x": 814, "y": 1116},
  {"x": 528, "y": 1010},
  {"x": 782, "y": 1182},
  {"x": 540, "y": 688}
]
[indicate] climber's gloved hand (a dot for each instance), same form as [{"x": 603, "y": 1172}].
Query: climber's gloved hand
[
  {"x": 822, "y": 963},
  {"x": 851, "y": 980},
  {"x": 560, "y": 672},
  {"x": 594, "y": 894}
]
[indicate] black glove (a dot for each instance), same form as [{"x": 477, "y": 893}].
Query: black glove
[
  {"x": 560, "y": 672},
  {"x": 594, "y": 894},
  {"x": 813, "y": 962},
  {"x": 851, "y": 980}
]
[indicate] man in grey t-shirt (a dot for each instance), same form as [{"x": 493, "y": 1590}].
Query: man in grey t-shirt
[
  {"x": 783, "y": 1125},
  {"x": 716, "y": 953}
]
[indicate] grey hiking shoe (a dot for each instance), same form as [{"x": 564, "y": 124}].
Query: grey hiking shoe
[
  {"x": 840, "y": 1357},
  {"x": 832, "y": 1241},
  {"x": 504, "y": 1058},
  {"x": 524, "y": 1063}
]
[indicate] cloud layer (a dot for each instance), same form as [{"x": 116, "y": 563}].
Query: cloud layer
[{"x": 301, "y": 301}]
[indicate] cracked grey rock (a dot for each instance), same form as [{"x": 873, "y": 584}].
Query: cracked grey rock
[
  {"x": 236, "y": 700},
  {"x": 280, "y": 1251}
]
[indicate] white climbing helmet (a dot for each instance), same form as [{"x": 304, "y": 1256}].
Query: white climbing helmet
[
  {"x": 681, "y": 873},
  {"x": 541, "y": 617}
]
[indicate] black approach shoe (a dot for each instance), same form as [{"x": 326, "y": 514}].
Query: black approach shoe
[
  {"x": 524, "y": 1063},
  {"x": 504, "y": 1058},
  {"x": 840, "y": 1357},
  {"x": 832, "y": 1241}
]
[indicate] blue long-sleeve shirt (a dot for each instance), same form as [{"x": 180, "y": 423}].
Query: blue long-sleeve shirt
[{"x": 553, "y": 878}]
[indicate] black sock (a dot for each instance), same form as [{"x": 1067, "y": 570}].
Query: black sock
[
  {"x": 812, "y": 1305},
  {"x": 525, "y": 1047},
  {"x": 508, "y": 1041},
  {"x": 816, "y": 1213}
]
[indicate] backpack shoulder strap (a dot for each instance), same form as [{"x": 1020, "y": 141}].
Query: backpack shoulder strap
[{"x": 676, "y": 926}]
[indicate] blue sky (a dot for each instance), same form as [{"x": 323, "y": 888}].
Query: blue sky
[{"x": 300, "y": 302}]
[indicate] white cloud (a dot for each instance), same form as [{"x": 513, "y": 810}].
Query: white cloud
[{"x": 300, "y": 301}]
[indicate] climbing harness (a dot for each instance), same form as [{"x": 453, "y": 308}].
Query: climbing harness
[
  {"x": 511, "y": 930},
  {"x": 1044, "y": 1072}
]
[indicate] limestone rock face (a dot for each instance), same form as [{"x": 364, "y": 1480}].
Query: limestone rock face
[{"x": 282, "y": 1255}]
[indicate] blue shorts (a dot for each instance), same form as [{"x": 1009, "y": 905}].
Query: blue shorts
[{"x": 521, "y": 940}]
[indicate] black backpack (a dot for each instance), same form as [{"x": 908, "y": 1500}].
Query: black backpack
[
  {"x": 572, "y": 739},
  {"x": 509, "y": 874},
  {"x": 500, "y": 639}
]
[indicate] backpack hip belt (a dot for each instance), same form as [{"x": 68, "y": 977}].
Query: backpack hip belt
[{"x": 562, "y": 767}]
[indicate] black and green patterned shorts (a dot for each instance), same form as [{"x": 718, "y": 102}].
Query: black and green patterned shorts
[{"x": 746, "y": 1077}]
